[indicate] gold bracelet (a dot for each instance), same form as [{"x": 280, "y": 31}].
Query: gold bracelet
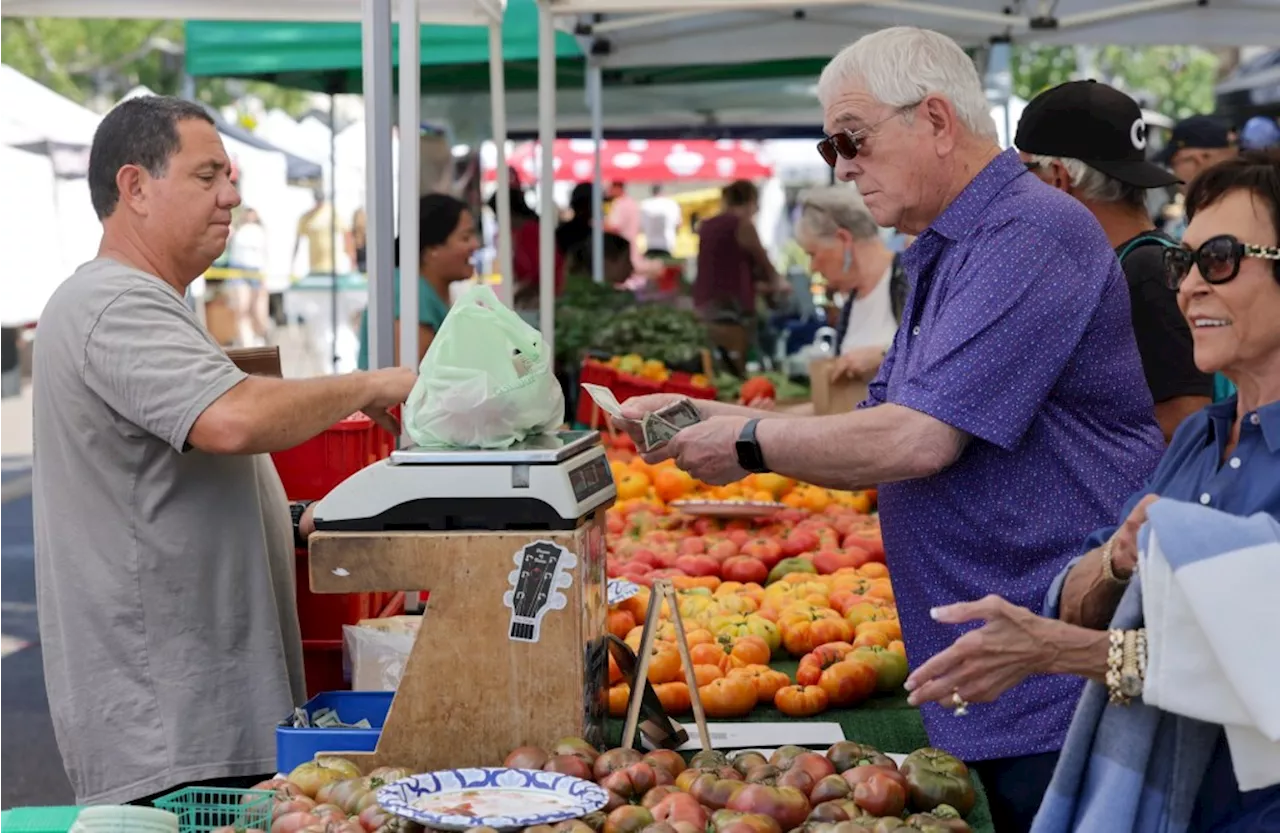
[
  {"x": 1115, "y": 662},
  {"x": 1108, "y": 572},
  {"x": 1126, "y": 665}
]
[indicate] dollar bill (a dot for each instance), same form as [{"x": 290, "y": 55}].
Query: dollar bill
[
  {"x": 657, "y": 431},
  {"x": 681, "y": 414},
  {"x": 604, "y": 397}
]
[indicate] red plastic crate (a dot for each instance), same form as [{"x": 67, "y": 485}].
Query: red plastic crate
[
  {"x": 322, "y": 658},
  {"x": 310, "y": 470},
  {"x": 682, "y": 383},
  {"x": 628, "y": 386},
  {"x": 590, "y": 414}
]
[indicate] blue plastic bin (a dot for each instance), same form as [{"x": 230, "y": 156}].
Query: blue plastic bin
[{"x": 297, "y": 746}]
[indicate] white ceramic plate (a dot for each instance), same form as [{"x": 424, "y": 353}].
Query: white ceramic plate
[{"x": 458, "y": 799}]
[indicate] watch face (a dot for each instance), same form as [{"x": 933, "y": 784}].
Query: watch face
[{"x": 1130, "y": 685}]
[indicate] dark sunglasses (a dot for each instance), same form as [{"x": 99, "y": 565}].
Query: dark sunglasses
[
  {"x": 1218, "y": 260},
  {"x": 847, "y": 143}
]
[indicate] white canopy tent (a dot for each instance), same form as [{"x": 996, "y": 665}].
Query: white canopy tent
[
  {"x": 651, "y": 33},
  {"x": 377, "y": 17}
]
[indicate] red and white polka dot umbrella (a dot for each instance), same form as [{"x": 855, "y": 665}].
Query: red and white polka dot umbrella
[{"x": 641, "y": 160}]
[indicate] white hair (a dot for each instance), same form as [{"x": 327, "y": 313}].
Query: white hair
[
  {"x": 831, "y": 207},
  {"x": 901, "y": 65},
  {"x": 1093, "y": 185}
]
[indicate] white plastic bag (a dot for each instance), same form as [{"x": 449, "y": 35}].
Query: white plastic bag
[{"x": 486, "y": 382}]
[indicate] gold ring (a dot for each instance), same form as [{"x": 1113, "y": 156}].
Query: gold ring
[{"x": 961, "y": 705}]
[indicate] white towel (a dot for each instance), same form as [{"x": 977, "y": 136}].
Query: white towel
[{"x": 1209, "y": 583}]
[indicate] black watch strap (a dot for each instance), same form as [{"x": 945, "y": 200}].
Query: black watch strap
[
  {"x": 750, "y": 457},
  {"x": 296, "y": 511}
]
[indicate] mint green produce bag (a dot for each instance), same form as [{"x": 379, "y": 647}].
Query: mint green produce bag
[{"x": 486, "y": 382}]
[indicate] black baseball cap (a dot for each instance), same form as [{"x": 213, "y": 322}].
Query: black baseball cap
[
  {"x": 1095, "y": 123},
  {"x": 1197, "y": 132}
]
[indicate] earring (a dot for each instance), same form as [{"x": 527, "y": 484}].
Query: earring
[{"x": 848, "y": 260}]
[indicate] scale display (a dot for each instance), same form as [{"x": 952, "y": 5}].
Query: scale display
[{"x": 590, "y": 478}]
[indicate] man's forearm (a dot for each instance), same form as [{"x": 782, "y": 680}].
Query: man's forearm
[
  {"x": 1089, "y": 599},
  {"x": 274, "y": 414},
  {"x": 857, "y": 450},
  {"x": 711, "y": 408}
]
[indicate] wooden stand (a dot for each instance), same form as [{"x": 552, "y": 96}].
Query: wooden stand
[{"x": 480, "y": 681}]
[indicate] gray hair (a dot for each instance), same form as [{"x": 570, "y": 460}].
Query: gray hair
[
  {"x": 831, "y": 207},
  {"x": 1093, "y": 185},
  {"x": 901, "y": 65}
]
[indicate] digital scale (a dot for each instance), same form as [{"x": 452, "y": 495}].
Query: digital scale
[
  {"x": 511, "y": 545},
  {"x": 549, "y": 482}
]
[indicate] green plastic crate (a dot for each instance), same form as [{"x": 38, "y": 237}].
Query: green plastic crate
[
  {"x": 203, "y": 809},
  {"x": 38, "y": 819}
]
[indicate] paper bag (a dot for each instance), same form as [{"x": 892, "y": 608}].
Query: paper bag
[{"x": 829, "y": 397}]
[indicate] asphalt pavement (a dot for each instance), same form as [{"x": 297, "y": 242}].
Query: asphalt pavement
[{"x": 31, "y": 771}]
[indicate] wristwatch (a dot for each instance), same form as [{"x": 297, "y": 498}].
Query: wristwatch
[
  {"x": 296, "y": 511},
  {"x": 750, "y": 457}
]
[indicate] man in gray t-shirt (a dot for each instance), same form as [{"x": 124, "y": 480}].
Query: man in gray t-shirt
[{"x": 164, "y": 561}]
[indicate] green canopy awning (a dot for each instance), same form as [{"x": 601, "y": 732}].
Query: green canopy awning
[{"x": 325, "y": 57}]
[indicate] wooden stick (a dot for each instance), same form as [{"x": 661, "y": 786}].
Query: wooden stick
[
  {"x": 651, "y": 621},
  {"x": 708, "y": 369},
  {"x": 667, "y": 593}
]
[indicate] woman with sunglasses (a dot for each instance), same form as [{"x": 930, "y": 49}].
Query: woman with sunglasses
[{"x": 1135, "y": 767}]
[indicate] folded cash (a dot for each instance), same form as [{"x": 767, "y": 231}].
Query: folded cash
[
  {"x": 681, "y": 413},
  {"x": 657, "y": 431},
  {"x": 604, "y": 397},
  {"x": 327, "y": 718}
]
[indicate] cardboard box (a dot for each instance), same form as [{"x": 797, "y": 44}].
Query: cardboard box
[{"x": 830, "y": 397}]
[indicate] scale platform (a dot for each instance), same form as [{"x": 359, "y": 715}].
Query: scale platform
[{"x": 549, "y": 482}]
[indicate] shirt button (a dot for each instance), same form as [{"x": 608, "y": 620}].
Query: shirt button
[
  {"x": 1235, "y": 462},
  {"x": 915, "y": 331},
  {"x": 1204, "y": 498},
  {"x": 1253, "y": 418}
]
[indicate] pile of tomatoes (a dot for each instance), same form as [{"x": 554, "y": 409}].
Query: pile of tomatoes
[
  {"x": 843, "y": 627},
  {"x": 850, "y": 785},
  {"x": 329, "y": 795}
]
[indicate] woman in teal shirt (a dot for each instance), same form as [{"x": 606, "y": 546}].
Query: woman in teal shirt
[{"x": 447, "y": 241}]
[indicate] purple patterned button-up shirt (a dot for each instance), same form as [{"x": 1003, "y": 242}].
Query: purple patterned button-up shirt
[{"x": 1017, "y": 332}]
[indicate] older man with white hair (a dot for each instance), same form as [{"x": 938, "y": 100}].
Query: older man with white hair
[{"x": 1009, "y": 417}]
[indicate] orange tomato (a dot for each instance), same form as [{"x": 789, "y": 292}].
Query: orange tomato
[
  {"x": 830, "y": 630},
  {"x": 897, "y": 647},
  {"x": 866, "y": 611},
  {"x": 690, "y": 582},
  {"x": 664, "y": 665},
  {"x": 632, "y": 485},
  {"x": 620, "y": 623},
  {"x": 871, "y": 639},
  {"x": 749, "y": 650},
  {"x": 672, "y": 484},
  {"x": 874, "y": 569},
  {"x": 618, "y": 697},
  {"x": 704, "y": 674},
  {"x": 848, "y": 682},
  {"x": 889, "y": 627},
  {"x": 707, "y": 655},
  {"x": 674, "y": 697},
  {"x": 615, "y": 673},
  {"x": 800, "y": 701},
  {"x": 728, "y": 697},
  {"x": 699, "y": 636},
  {"x": 769, "y": 683}
]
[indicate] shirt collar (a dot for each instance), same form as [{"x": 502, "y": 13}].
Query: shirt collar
[
  {"x": 957, "y": 219},
  {"x": 1222, "y": 414}
]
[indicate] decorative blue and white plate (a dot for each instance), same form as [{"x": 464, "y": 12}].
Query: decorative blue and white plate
[
  {"x": 619, "y": 590},
  {"x": 458, "y": 799}
]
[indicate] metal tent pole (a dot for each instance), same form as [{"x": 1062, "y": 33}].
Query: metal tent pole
[
  {"x": 595, "y": 101},
  {"x": 498, "y": 115},
  {"x": 410, "y": 147},
  {"x": 379, "y": 210},
  {"x": 547, "y": 175}
]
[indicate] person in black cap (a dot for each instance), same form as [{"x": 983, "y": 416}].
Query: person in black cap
[
  {"x": 1197, "y": 143},
  {"x": 1089, "y": 140}
]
